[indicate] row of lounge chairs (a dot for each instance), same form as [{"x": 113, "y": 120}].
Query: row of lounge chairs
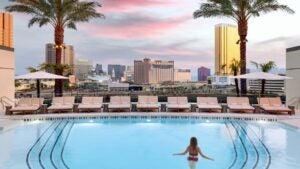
[{"x": 150, "y": 103}]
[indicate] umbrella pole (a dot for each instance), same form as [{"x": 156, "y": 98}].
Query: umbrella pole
[{"x": 38, "y": 89}]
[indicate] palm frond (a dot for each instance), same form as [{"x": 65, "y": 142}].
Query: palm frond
[
  {"x": 255, "y": 64},
  {"x": 265, "y": 6},
  {"x": 32, "y": 69}
]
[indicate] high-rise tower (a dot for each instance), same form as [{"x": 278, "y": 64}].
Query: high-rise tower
[
  {"x": 226, "y": 48},
  {"x": 7, "y": 58},
  {"x": 6, "y": 30}
]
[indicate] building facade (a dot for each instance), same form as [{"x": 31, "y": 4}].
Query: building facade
[
  {"x": 83, "y": 68},
  {"x": 220, "y": 80},
  {"x": 128, "y": 74},
  {"x": 271, "y": 86},
  {"x": 182, "y": 75},
  {"x": 149, "y": 71},
  {"x": 226, "y": 48},
  {"x": 203, "y": 73},
  {"x": 7, "y": 60},
  {"x": 6, "y": 30},
  {"x": 117, "y": 71},
  {"x": 67, "y": 57},
  {"x": 99, "y": 69},
  {"x": 293, "y": 70}
]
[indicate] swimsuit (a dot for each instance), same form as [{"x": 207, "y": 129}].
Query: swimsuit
[{"x": 193, "y": 157}]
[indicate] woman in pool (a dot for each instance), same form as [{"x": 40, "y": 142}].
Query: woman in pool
[{"x": 193, "y": 151}]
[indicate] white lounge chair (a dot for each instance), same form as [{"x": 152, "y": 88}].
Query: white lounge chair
[
  {"x": 239, "y": 104},
  {"x": 208, "y": 104},
  {"x": 119, "y": 103},
  {"x": 62, "y": 104},
  {"x": 273, "y": 105},
  {"x": 147, "y": 103},
  {"x": 178, "y": 103},
  {"x": 27, "y": 105},
  {"x": 90, "y": 104}
]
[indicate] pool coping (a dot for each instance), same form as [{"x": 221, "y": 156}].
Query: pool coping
[
  {"x": 220, "y": 116},
  {"x": 13, "y": 120}
]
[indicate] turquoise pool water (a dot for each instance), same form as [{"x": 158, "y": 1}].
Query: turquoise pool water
[{"x": 135, "y": 143}]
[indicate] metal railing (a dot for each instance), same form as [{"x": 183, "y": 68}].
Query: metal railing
[
  {"x": 295, "y": 101},
  {"x": 5, "y": 101}
]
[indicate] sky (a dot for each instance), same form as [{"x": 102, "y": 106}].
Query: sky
[{"x": 158, "y": 29}]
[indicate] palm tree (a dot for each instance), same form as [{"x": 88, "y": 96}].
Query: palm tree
[
  {"x": 60, "y": 14},
  {"x": 32, "y": 69},
  {"x": 264, "y": 67},
  {"x": 223, "y": 69},
  {"x": 240, "y": 11},
  {"x": 65, "y": 69},
  {"x": 235, "y": 66}
]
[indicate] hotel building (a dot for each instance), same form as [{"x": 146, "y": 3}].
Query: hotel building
[
  {"x": 203, "y": 73},
  {"x": 128, "y": 74},
  {"x": 226, "y": 48},
  {"x": 82, "y": 69},
  {"x": 149, "y": 71},
  {"x": 271, "y": 86},
  {"x": 7, "y": 59},
  {"x": 182, "y": 75},
  {"x": 67, "y": 55},
  {"x": 293, "y": 70}
]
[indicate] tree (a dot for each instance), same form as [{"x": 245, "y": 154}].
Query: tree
[
  {"x": 223, "y": 69},
  {"x": 65, "y": 69},
  {"x": 60, "y": 14},
  {"x": 32, "y": 69},
  {"x": 235, "y": 66},
  {"x": 264, "y": 67},
  {"x": 240, "y": 11}
]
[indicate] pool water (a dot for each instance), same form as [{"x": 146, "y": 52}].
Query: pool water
[{"x": 141, "y": 143}]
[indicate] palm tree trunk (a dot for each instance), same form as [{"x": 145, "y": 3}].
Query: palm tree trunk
[
  {"x": 243, "y": 30},
  {"x": 236, "y": 82},
  {"x": 38, "y": 88},
  {"x": 59, "y": 40},
  {"x": 263, "y": 82}
]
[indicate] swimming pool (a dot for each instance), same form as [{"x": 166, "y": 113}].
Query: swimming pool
[{"x": 148, "y": 143}]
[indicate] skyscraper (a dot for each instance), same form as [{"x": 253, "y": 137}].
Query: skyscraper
[
  {"x": 6, "y": 30},
  {"x": 153, "y": 71},
  {"x": 98, "y": 69},
  {"x": 118, "y": 71},
  {"x": 292, "y": 89},
  {"x": 128, "y": 74},
  {"x": 67, "y": 57},
  {"x": 226, "y": 48},
  {"x": 203, "y": 73},
  {"x": 7, "y": 58},
  {"x": 83, "y": 68}
]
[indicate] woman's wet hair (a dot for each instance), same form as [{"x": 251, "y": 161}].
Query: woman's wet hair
[{"x": 193, "y": 142}]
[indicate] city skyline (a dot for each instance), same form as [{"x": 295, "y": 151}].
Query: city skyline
[{"x": 130, "y": 33}]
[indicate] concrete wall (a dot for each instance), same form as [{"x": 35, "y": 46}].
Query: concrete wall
[
  {"x": 293, "y": 70},
  {"x": 7, "y": 74}
]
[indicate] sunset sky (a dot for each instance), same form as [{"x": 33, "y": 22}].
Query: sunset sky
[{"x": 159, "y": 29}]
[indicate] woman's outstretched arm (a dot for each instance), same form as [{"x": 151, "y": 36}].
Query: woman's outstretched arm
[
  {"x": 183, "y": 153},
  {"x": 204, "y": 156}
]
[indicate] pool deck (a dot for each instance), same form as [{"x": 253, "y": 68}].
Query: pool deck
[{"x": 8, "y": 122}]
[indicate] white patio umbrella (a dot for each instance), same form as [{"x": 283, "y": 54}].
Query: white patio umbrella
[
  {"x": 261, "y": 76},
  {"x": 40, "y": 75}
]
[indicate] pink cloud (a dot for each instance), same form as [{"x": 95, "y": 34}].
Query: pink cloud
[
  {"x": 134, "y": 28},
  {"x": 128, "y": 5},
  {"x": 170, "y": 52}
]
